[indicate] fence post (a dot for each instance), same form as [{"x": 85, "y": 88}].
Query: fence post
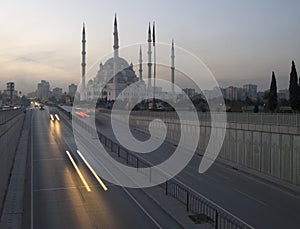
[
  {"x": 111, "y": 145},
  {"x": 126, "y": 157},
  {"x": 217, "y": 220},
  {"x": 118, "y": 151},
  {"x": 166, "y": 187},
  {"x": 187, "y": 200}
]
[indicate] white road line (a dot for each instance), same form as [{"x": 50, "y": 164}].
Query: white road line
[
  {"x": 250, "y": 197},
  {"x": 136, "y": 202},
  {"x": 69, "y": 188},
  {"x": 31, "y": 174},
  {"x": 50, "y": 159},
  {"x": 143, "y": 209}
]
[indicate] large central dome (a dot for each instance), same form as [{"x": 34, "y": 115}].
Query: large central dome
[
  {"x": 120, "y": 62},
  {"x": 124, "y": 71}
]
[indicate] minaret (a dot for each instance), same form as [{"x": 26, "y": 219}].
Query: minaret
[
  {"x": 116, "y": 56},
  {"x": 116, "y": 38},
  {"x": 141, "y": 64},
  {"x": 172, "y": 68},
  {"x": 149, "y": 57},
  {"x": 83, "y": 65}
]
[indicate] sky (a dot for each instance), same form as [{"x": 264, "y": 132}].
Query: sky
[{"x": 241, "y": 41}]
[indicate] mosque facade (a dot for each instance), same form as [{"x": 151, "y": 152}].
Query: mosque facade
[{"x": 116, "y": 74}]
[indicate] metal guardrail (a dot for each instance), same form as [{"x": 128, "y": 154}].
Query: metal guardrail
[{"x": 194, "y": 203}]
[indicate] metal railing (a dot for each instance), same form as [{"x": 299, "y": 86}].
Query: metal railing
[{"x": 196, "y": 204}]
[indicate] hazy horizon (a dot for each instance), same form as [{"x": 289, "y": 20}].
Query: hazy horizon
[{"x": 240, "y": 41}]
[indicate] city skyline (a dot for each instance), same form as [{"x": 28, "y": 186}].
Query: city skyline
[{"x": 247, "y": 50}]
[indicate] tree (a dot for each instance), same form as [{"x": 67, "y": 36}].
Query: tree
[
  {"x": 272, "y": 100},
  {"x": 294, "y": 88}
]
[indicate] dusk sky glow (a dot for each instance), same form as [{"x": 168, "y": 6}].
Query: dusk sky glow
[{"x": 240, "y": 41}]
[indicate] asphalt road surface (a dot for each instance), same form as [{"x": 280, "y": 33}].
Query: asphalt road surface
[
  {"x": 59, "y": 198},
  {"x": 256, "y": 202}
]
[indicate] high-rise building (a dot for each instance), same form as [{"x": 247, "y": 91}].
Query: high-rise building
[
  {"x": 10, "y": 88},
  {"x": 72, "y": 90},
  {"x": 43, "y": 90},
  {"x": 57, "y": 92},
  {"x": 250, "y": 90},
  {"x": 231, "y": 93},
  {"x": 241, "y": 95}
]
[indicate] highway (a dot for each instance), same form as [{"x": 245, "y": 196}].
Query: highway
[
  {"x": 258, "y": 203},
  {"x": 60, "y": 198}
]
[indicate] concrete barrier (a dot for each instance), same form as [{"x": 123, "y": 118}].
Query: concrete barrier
[
  {"x": 10, "y": 133},
  {"x": 13, "y": 208},
  {"x": 270, "y": 149}
]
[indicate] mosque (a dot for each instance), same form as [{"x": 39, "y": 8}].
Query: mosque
[{"x": 122, "y": 72}]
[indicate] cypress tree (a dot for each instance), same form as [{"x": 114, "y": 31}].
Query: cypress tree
[
  {"x": 272, "y": 102},
  {"x": 294, "y": 88}
]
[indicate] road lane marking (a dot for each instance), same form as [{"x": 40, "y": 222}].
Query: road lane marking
[
  {"x": 50, "y": 159},
  {"x": 31, "y": 174},
  {"x": 125, "y": 190},
  {"x": 78, "y": 171},
  {"x": 92, "y": 171},
  {"x": 221, "y": 175},
  {"x": 250, "y": 197},
  {"x": 69, "y": 188}
]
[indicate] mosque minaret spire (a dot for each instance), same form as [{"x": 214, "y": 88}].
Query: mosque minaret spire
[
  {"x": 83, "y": 64},
  {"x": 116, "y": 56},
  {"x": 149, "y": 57},
  {"x": 141, "y": 64},
  {"x": 116, "y": 37},
  {"x": 172, "y": 67}
]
